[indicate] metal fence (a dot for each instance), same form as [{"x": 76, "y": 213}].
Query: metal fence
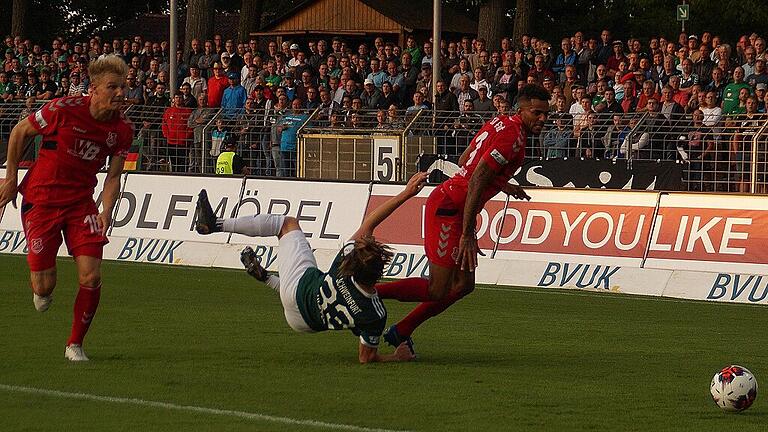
[{"x": 719, "y": 153}]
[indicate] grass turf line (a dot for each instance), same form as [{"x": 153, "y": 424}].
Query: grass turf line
[{"x": 498, "y": 360}]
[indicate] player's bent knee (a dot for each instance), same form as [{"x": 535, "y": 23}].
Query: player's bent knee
[
  {"x": 438, "y": 289},
  {"x": 43, "y": 282},
  {"x": 90, "y": 278}
]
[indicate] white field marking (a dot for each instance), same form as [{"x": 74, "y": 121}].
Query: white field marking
[
  {"x": 189, "y": 408},
  {"x": 615, "y": 295}
]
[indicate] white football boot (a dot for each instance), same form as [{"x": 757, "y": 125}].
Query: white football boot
[
  {"x": 42, "y": 303},
  {"x": 75, "y": 353}
]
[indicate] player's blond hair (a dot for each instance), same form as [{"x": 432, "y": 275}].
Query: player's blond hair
[{"x": 110, "y": 64}]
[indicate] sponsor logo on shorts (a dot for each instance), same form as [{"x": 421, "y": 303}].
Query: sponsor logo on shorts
[
  {"x": 79, "y": 130},
  {"x": 36, "y": 246},
  {"x": 498, "y": 157},
  {"x": 442, "y": 244}
]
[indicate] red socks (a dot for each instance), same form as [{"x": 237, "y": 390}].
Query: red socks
[
  {"x": 85, "y": 308},
  {"x": 405, "y": 290},
  {"x": 425, "y": 311}
]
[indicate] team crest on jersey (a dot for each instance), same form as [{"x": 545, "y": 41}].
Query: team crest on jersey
[
  {"x": 36, "y": 245},
  {"x": 111, "y": 139}
]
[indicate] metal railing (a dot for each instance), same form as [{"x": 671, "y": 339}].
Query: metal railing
[{"x": 720, "y": 153}]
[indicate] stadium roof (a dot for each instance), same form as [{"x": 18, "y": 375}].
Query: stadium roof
[{"x": 403, "y": 12}]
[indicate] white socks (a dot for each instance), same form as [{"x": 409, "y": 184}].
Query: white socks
[{"x": 262, "y": 225}]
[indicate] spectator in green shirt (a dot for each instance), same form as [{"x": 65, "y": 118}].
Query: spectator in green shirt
[{"x": 731, "y": 91}]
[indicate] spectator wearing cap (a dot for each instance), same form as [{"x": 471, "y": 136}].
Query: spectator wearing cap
[
  {"x": 233, "y": 99},
  {"x": 227, "y": 64},
  {"x": 76, "y": 87},
  {"x": 294, "y": 50},
  {"x": 229, "y": 162},
  {"x": 617, "y": 57},
  {"x": 216, "y": 86},
  {"x": 289, "y": 85},
  {"x": 693, "y": 47},
  {"x": 371, "y": 96},
  {"x": 483, "y": 103},
  {"x": 63, "y": 68}
]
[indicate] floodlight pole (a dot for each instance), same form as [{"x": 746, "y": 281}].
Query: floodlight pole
[
  {"x": 436, "y": 52},
  {"x": 172, "y": 47}
]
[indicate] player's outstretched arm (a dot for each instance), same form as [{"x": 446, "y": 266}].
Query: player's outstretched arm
[
  {"x": 110, "y": 192},
  {"x": 20, "y": 135},
  {"x": 516, "y": 192},
  {"x": 415, "y": 184},
  {"x": 368, "y": 354}
]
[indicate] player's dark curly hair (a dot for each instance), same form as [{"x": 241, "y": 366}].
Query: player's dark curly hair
[
  {"x": 367, "y": 261},
  {"x": 533, "y": 91}
]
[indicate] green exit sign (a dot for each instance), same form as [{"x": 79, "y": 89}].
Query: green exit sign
[{"x": 683, "y": 13}]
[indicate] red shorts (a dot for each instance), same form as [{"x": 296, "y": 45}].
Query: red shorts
[
  {"x": 443, "y": 225},
  {"x": 43, "y": 228}
]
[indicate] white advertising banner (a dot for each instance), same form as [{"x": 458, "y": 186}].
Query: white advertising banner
[
  {"x": 329, "y": 213},
  {"x": 163, "y": 206},
  {"x": 719, "y": 287}
]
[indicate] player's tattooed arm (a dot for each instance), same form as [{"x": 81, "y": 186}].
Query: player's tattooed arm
[{"x": 468, "y": 249}]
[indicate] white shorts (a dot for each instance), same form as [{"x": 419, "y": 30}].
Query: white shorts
[{"x": 294, "y": 258}]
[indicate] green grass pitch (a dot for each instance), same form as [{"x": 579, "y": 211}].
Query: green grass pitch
[{"x": 501, "y": 359}]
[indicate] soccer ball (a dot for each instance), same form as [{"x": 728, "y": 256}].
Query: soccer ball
[{"x": 734, "y": 388}]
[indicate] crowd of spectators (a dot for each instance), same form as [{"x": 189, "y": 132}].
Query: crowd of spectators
[{"x": 264, "y": 95}]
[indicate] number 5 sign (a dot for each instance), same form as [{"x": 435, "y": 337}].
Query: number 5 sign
[{"x": 386, "y": 156}]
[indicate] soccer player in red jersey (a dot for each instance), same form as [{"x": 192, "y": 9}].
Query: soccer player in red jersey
[
  {"x": 450, "y": 241},
  {"x": 78, "y": 134}
]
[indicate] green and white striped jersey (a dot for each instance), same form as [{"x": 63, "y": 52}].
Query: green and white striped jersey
[{"x": 330, "y": 301}]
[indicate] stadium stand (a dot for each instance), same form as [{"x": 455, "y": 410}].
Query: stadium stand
[{"x": 694, "y": 100}]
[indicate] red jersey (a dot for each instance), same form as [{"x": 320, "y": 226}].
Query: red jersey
[
  {"x": 75, "y": 146},
  {"x": 501, "y": 144}
]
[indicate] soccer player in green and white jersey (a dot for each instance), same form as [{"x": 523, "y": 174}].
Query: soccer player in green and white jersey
[{"x": 343, "y": 298}]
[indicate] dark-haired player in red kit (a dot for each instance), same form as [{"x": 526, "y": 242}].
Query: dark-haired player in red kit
[
  {"x": 78, "y": 134},
  {"x": 450, "y": 241}
]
